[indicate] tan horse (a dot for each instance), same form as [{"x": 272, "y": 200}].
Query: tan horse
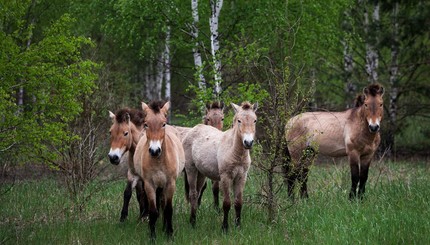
[
  {"x": 214, "y": 117},
  {"x": 353, "y": 133},
  {"x": 125, "y": 132},
  {"x": 221, "y": 156},
  {"x": 159, "y": 159}
]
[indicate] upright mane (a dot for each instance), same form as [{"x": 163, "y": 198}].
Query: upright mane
[
  {"x": 359, "y": 100},
  {"x": 137, "y": 117},
  {"x": 374, "y": 89},
  {"x": 246, "y": 105},
  {"x": 215, "y": 105},
  {"x": 156, "y": 105}
]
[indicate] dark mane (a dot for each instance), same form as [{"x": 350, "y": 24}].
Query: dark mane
[
  {"x": 156, "y": 105},
  {"x": 359, "y": 100},
  {"x": 246, "y": 105},
  {"x": 374, "y": 89},
  {"x": 137, "y": 117},
  {"x": 215, "y": 105}
]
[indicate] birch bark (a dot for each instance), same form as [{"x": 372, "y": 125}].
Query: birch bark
[
  {"x": 196, "y": 50},
  {"x": 371, "y": 40},
  {"x": 216, "y": 6}
]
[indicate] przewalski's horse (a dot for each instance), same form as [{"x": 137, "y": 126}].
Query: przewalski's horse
[
  {"x": 221, "y": 156},
  {"x": 353, "y": 133},
  {"x": 125, "y": 132},
  {"x": 214, "y": 117},
  {"x": 159, "y": 159}
]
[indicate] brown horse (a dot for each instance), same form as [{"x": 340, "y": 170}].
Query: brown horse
[
  {"x": 353, "y": 133},
  {"x": 125, "y": 132},
  {"x": 159, "y": 159},
  {"x": 221, "y": 156}
]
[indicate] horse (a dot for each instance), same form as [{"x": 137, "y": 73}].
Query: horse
[
  {"x": 221, "y": 156},
  {"x": 159, "y": 159},
  {"x": 214, "y": 117},
  {"x": 353, "y": 133},
  {"x": 125, "y": 132}
]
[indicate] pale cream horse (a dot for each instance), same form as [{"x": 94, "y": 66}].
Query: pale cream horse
[
  {"x": 353, "y": 133},
  {"x": 221, "y": 156},
  {"x": 159, "y": 159}
]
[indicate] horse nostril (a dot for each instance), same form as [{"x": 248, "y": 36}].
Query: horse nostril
[
  {"x": 114, "y": 159},
  {"x": 374, "y": 128},
  {"x": 248, "y": 143},
  {"x": 155, "y": 153}
]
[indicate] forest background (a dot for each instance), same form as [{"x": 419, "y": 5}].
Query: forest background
[{"x": 64, "y": 64}]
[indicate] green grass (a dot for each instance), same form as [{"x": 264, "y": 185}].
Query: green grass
[{"x": 395, "y": 210}]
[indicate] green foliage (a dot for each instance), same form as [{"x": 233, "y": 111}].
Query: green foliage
[{"x": 53, "y": 77}]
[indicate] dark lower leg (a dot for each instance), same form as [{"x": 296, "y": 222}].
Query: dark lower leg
[
  {"x": 354, "y": 181},
  {"x": 364, "y": 171},
  {"x": 226, "y": 207},
  {"x": 168, "y": 214},
  {"x": 238, "y": 209},
  {"x": 142, "y": 199},
  {"x": 153, "y": 216},
  {"x": 215, "y": 192},
  {"x": 127, "y": 196},
  {"x": 303, "y": 182}
]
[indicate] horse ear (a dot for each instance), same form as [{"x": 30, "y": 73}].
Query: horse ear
[
  {"x": 221, "y": 105},
  {"x": 255, "y": 106},
  {"x": 144, "y": 106},
  {"x": 112, "y": 116},
  {"x": 165, "y": 108},
  {"x": 127, "y": 116},
  {"x": 235, "y": 107},
  {"x": 381, "y": 90}
]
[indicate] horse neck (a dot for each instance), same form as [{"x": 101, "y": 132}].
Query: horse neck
[
  {"x": 135, "y": 134},
  {"x": 238, "y": 151}
]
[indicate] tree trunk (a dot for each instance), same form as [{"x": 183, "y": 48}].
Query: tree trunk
[
  {"x": 167, "y": 74},
  {"x": 216, "y": 6},
  {"x": 371, "y": 41},
  {"x": 393, "y": 80},
  {"x": 196, "y": 50},
  {"x": 348, "y": 63}
]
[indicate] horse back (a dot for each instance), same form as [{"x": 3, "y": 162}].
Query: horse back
[{"x": 324, "y": 132}]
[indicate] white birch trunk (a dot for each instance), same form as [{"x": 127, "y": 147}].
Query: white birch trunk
[
  {"x": 216, "y": 6},
  {"x": 371, "y": 54},
  {"x": 196, "y": 50},
  {"x": 159, "y": 77},
  {"x": 394, "y": 69},
  {"x": 167, "y": 74}
]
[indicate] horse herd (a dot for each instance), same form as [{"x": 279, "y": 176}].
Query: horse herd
[{"x": 159, "y": 152}]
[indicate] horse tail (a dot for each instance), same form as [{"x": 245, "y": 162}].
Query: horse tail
[
  {"x": 286, "y": 160},
  {"x": 186, "y": 186}
]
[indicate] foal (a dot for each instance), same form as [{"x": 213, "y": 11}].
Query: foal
[
  {"x": 125, "y": 132},
  {"x": 221, "y": 156},
  {"x": 159, "y": 159},
  {"x": 353, "y": 133}
]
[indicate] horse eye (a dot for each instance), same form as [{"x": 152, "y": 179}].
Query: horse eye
[
  {"x": 207, "y": 119},
  {"x": 365, "y": 105},
  {"x": 380, "y": 105},
  {"x": 239, "y": 121},
  {"x": 125, "y": 133},
  {"x": 222, "y": 119},
  {"x": 164, "y": 125},
  {"x": 145, "y": 125},
  {"x": 255, "y": 121}
]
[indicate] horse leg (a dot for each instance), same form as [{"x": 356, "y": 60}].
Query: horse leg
[
  {"x": 303, "y": 179},
  {"x": 142, "y": 199},
  {"x": 127, "y": 196},
  {"x": 153, "y": 212},
  {"x": 238, "y": 186},
  {"x": 215, "y": 192},
  {"x": 226, "y": 205},
  {"x": 201, "y": 193},
  {"x": 355, "y": 174},
  {"x": 364, "y": 172},
  {"x": 192, "y": 182},
  {"x": 168, "y": 209}
]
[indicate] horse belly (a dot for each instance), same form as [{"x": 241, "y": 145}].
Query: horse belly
[{"x": 205, "y": 160}]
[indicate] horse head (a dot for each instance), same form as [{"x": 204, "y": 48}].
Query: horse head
[
  {"x": 245, "y": 120},
  {"x": 373, "y": 106},
  {"x": 155, "y": 125},
  {"x": 214, "y": 115},
  {"x": 120, "y": 135}
]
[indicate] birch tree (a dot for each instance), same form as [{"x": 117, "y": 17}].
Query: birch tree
[
  {"x": 196, "y": 50},
  {"x": 371, "y": 41},
  {"x": 216, "y": 6}
]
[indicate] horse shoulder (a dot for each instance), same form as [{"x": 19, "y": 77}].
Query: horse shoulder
[
  {"x": 138, "y": 156},
  {"x": 177, "y": 152}
]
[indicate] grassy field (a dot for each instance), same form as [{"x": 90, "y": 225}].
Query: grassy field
[{"x": 396, "y": 210}]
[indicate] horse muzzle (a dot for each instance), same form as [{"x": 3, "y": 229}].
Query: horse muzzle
[
  {"x": 155, "y": 152},
  {"x": 248, "y": 144},
  {"x": 374, "y": 128},
  {"x": 114, "y": 159}
]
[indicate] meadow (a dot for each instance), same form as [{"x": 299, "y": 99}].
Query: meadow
[{"x": 395, "y": 210}]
